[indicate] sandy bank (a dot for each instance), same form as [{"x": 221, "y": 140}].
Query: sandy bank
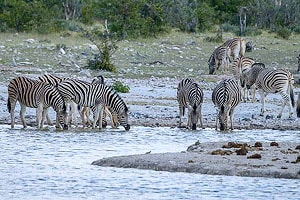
[{"x": 282, "y": 161}]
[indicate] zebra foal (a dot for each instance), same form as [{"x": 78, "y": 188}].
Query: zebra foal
[
  {"x": 35, "y": 94},
  {"x": 190, "y": 95},
  {"x": 226, "y": 96},
  {"x": 276, "y": 81},
  {"x": 95, "y": 96}
]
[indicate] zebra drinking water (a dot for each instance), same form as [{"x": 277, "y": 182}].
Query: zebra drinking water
[
  {"x": 226, "y": 96},
  {"x": 276, "y": 81},
  {"x": 35, "y": 94},
  {"x": 95, "y": 96},
  {"x": 190, "y": 95}
]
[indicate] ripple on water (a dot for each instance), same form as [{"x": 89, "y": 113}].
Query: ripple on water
[{"x": 53, "y": 164}]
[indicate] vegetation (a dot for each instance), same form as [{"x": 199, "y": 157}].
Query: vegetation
[
  {"x": 144, "y": 18},
  {"x": 120, "y": 87}
]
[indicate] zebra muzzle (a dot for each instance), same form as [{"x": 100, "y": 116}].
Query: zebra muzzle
[
  {"x": 65, "y": 127},
  {"x": 127, "y": 127},
  {"x": 194, "y": 127}
]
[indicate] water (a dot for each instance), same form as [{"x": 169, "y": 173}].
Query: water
[{"x": 57, "y": 165}]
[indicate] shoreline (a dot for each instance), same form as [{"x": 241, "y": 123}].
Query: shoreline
[{"x": 218, "y": 158}]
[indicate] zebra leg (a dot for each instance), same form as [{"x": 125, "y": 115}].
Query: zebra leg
[
  {"x": 48, "y": 118},
  {"x": 262, "y": 96},
  {"x": 253, "y": 93},
  {"x": 217, "y": 119},
  {"x": 180, "y": 115},
  {"x": 74, "y": 113},
  {"x": 231, "y": 118},
  {"x": 286, "y": 101},
  {"x": 107, "y": 112},
  {"x": 22, "y": 111},
  {"x": 200, "y": 117},
  {"x": 11, "y": 105},
  {"x": 40, "y": 113},
  {"x": 83, "y": 114}
]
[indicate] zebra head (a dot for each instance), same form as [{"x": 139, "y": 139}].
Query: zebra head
[
  {"x": 194, "y": 112},
  {"x": 222, "y": 118},
  {"x": 123, "y": 118}
]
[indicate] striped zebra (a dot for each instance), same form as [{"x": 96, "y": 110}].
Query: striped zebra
[
  {"x": 298, "y": 106},
  {"x": 226, "y": 96},
  {"x": 276, "y": 81},
  {"x": 190, "y": 95},
  {"x": 249, "y": 77},
  {"x": 237, "y": 47},
  {"x": 55, "y": 80},
  {"x": 239, "y": 66},
  {"x": 220, "y": 56},
  {"x": 95, "y": 96},
  {"x": 35, "y": 94}
]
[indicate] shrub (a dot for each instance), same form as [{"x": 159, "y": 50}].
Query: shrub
[
  {"x": 120, "y": 87},
  {"x": 284, "y": 33}
]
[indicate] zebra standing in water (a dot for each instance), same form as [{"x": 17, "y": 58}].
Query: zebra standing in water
[
  {"x": 35, "y": 94},
  {"x": 273, "y": 81},
  {"x": 226, "y": 96},
  {"x": 95, "y": 96},
  {"x": 190, "y": 95},
  {"x": 219, "y": 57}
]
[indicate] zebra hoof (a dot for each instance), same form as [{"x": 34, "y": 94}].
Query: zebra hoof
[
  {"x": 65, "y": 127},
  {"x": 127, "y": 127},
  {"x": 194, "y": 127}
]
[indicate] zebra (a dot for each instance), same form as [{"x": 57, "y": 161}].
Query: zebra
[
  {"x": 55, "y": 80},
  {"x": 273, "y": 81},
  {"x": 190, "y": 95},
  {"x": 298, "y": 106},
  {"x": 237, "y": 47},
  {"x": 220, "y": 56},
  {"x": 35, "y": 94},
  {"x": 95, "y": 96},
  {"x": 226, "y": 96},
  {"x": 239, "y": 66},
  {"x": 249, "y": 77}
]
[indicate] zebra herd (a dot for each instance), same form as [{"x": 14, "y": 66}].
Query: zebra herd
[
  {"x": 61, "y": 93},
  {"x": 230, "y": 92},
  {"x": 64, "y": 93}
]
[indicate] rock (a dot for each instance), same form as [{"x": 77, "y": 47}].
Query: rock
[
  {"x": 272, "y": 144},
  {"x": 258, "y": 144},
  {"x": 254, "y": 156}
]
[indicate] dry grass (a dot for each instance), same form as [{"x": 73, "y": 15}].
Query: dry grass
[{"x": 174, "y": 55}]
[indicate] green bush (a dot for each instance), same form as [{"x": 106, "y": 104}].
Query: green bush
[
  {"x": 284, "y": 33},
  {"x": 120, "y": 87}
]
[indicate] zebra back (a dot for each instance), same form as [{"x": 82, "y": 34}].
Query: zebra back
[
  {"x": 226, "y": 96},
  {"x": 190, "y": 95},
  {"x": 53, "y": 80},
  {"x": 237, "y": 47},
  {"x": 241, "y": 64}
]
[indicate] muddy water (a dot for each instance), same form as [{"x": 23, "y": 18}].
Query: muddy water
[{"x": 56, "y": 165}]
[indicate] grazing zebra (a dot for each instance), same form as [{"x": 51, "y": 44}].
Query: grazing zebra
[
  {"x": 226, "y": 96},
  {"x": 219, "y": 57},
  {"x": 95, "y": 96},
  {"x": 237, "y": 47},
  {"x": 273, "y": 81},
  {"x": 190, "y": 95},
  {"x": 35, "y": 94},
  {"x": 298, "y": 106}
]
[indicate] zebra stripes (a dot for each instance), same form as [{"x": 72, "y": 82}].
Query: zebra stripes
[
  {"x": 219, "y": 57},
  {"x": 226, "y": 96},
  {"x": 237, "y": 47},
  {"x": 96, "y": 96},
  {"x": 276, "y": 81},
  {"x": 35, "y": 94},
  {"x": 190, "y": 95}
]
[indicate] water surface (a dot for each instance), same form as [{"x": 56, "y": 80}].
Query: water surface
[{"x": 56, "y": 165}]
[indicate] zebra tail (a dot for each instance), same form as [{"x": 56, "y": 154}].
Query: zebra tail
[
  {"x": 292, "y": 96},
  {"x": 298, "y": 106},
  {"x": 8, "y": 105}
]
